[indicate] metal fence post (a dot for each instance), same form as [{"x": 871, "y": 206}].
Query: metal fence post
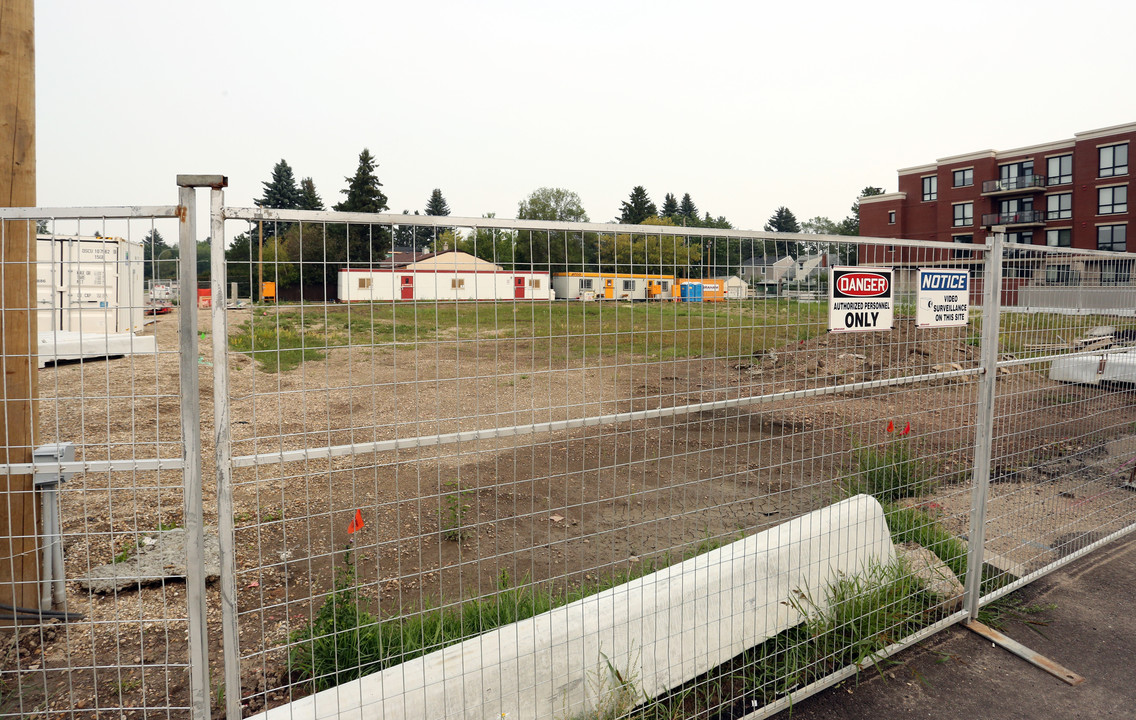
[
  {"x": 191, "y": 442},
  {"x": 223, "y": 439},
  {"x": 984, "y": 425}
]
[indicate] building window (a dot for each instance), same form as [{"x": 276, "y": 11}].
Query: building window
[
  {"x": 664, "y": 285},
  {"x": 964, "y": 178},
  {"x": 585, "y": 283},
  {"x": 1013, "y": 170},
  {"x": 1059, "y": 238},
  {"x": 1061, "y": 275},
  {"x": 1113, "y": 160},
  {"x": 1015, "y": 206},
  {"x": 891, "y": 217},
  {"x": 1112, "y": 200},
  {"x": 1025, "y": 238},
  {"x": 628, "y": 284},
  {"x": 364, "y": 283},
  {"x": 1117, "y": 272},
  {"x": 964, "y": 214},
  {"x": 962, "y": 240},
  {"x": 457, "y": 283},
  {"x": 930, "y": 188},
  {"x": 1060, "y": 170},
  {"x": 534, "y": 283},
  {"x": 1112, "y": 237},
  {"x": 1059, "y": 207}
]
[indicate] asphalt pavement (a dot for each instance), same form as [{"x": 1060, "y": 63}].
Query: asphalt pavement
[{"x": 1082, "y": 616}]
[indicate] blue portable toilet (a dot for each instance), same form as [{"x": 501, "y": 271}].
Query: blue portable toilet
[{"x": 690, "y": 292}]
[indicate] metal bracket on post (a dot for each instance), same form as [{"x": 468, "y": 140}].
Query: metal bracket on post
[
  {"x": 53, "y": 590},
  {"x": 984, "y": 425},
  {"x": 191, "y": 440}
]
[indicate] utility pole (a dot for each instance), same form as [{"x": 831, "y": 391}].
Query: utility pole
[{"x": 19, "y": 532}]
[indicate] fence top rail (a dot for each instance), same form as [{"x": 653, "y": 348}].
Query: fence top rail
[
  {"x": 254, "y": 214},
  {"x": 1070, "y": 252},
  {"x": 89, "y": 213}
]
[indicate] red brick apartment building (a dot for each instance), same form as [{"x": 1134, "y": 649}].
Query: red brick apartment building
[{"x": 1070, "y": 193}]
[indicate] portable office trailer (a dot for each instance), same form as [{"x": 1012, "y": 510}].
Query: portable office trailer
[
  {"x": 614, "y": 286},
  {"x": 90, "y": 285},
  {"x": 448, "y": 276}
]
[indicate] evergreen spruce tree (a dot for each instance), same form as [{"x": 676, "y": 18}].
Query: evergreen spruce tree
[
  {"x": 358, "y": 244},
  {"x": 281, "y": 191},
  {"x": 783, "y": 220},
  {"x": 363, "y": 193},
  {"x": 670, "y": 206},
  {"x": 688, "y": 209},
  {"x": 436, "y": 205},
  {"x": 309, "y": 198},
  {"x": 637, "y": 208}
]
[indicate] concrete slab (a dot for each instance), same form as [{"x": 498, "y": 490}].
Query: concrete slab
[
  {"x": 658, "y": 631},
  {"x": 56, "y": 346}
]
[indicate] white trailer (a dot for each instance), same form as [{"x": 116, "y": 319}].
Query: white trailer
[
  {"x": 89, "y": 298},
  {"x": 91, "y": 285},
  {"x": 447, "y": 276}
]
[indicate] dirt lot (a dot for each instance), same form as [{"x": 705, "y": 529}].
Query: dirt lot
[{"x": 443, "y": 521}]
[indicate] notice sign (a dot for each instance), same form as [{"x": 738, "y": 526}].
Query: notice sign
[
  {"x": 943, "y": 299},
  {"x": 859, "y": 299}
]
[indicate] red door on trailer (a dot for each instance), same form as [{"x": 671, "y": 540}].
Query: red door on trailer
[
  {"x": 519, "y": 288},
  {"x": 407, "y": 287}
]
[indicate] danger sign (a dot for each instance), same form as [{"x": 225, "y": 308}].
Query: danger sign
[
  {"x": 859, "y": 299},
  {"x": 943, "y": 299}
]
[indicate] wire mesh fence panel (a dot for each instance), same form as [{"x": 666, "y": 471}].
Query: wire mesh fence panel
[
  {"x": 1064, "y": 445},
  {"x": 550, "y": 469},
  {"x": 104, "y": 630}
]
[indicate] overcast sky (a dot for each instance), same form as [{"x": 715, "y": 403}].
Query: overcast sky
[{"x": 745, "y": 105}]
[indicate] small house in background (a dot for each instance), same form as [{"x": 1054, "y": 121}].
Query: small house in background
[
  {"x": 733, "y": 287},
  {"x": 810, "y": 266},
  {"x": 442, "y": 276},
  {"x": 766, "y": 273}
]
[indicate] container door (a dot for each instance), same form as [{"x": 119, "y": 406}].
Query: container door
[
  {"x": 407, "y": 287},
  {"x": 609, "y": 288},
  {"x": 519, "y": 288}
]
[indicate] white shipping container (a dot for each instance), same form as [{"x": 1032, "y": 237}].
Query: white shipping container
[{"x": 89, "y": 285}]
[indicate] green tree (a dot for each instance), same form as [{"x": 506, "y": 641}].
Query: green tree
[
  {"x": 278, "y": 267},
  {"x": 821, "y": 226},
  {"x": 637, "y": 208},
  {"x": 309, "y": 198},
  {"x": 490, "y": 244},
  {"x": 554, "y": 251},
  {"x": 281, "y": 191},
  {"x": 783, "y": 221},
  {"x": 363, "y": 188},
  {"x": 670, "y": 206},
  {"x": 357, "y": 243},
  {"x": 412, "y": 235},
  {"x": 851, "y": 224},
  {"x": 688, "y": 209},
  {"x": 657, "y": 254},
  {"x": 240, "y": 262},
  {"x": 437, "y": 205},
  {"x": 152, "y": 247},
  {"x": 549, "y": 203}
]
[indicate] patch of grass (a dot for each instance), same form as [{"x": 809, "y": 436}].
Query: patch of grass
[
  {"x": 915, "y": 525},
  {"x": 860, "y": 616},
  {"x": 164, "y": 526},
  {"x": 345, "y": 641},
  {"x": 452, "y": 515},
  {"x": 1012, "y": 607},
  {"x": 125, "y": 552},
  {"x": 655, "y": 331},
  {"x": 889, "y": 473}
]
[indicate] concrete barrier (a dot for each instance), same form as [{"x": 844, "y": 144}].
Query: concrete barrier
[{"x": 657, "y": 631}]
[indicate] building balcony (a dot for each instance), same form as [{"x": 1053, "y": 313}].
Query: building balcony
[
  {"x": 1019, "y": 184},
  {"x": 1014, "y": 219}
]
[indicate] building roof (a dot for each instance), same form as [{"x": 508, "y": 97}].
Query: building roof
[{"x": 454, "y": 260}]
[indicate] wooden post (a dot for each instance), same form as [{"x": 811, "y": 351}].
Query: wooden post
[{"x": 19, "y": 556}]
